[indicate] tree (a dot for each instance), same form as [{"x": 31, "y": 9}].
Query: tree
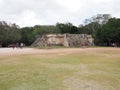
[
  {"x": 9, "y": 33},
  {"x": 74, "y": 30},
  {"x": 64, "y": 27},
  {"x": 109, "y": 32},
  {"x": 27, "y": 36},
  {"x": 50, "y": 29},
  {"x": 94, "y": 23}
]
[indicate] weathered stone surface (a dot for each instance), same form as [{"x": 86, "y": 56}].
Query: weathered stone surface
[{"x": 68, "y": 40}]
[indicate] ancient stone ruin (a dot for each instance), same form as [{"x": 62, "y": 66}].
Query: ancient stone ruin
[{"x": 68, "y": 40}]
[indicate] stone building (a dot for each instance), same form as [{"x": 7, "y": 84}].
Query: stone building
[{"x": 68, "y": 40}]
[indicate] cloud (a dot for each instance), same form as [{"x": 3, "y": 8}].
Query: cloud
[
  {"x": 32, "y": 12},
  {"x": 27, "y": 18}
]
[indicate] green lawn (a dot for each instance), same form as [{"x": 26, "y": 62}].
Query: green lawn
[{"x": 87, "y": 70}]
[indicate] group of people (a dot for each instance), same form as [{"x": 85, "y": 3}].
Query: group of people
[
  {"x": 114, "y": 44},
  {"x": 18, "y": 45}
]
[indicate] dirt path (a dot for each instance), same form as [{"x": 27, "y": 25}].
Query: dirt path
[{"x": 27, "y": 51}]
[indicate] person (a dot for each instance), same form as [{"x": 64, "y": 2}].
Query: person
[
  {"x": 21, "y": 45},
  {"x": 113, "y": 44},
  {"x": 83, "y": 44},
  {"x": 13, "y": 46},
  {"x": 17, "y": 45},
  {"x": 116, "y": 45}
]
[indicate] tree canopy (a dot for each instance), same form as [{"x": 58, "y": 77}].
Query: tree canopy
[
  {"x": 110, "y": 32},
  {"x": 9, "y": 33}
]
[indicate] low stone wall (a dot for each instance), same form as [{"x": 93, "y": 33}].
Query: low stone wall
[
  {"x": 68, "y": 40},
  {"x": 79, "y": 39}
]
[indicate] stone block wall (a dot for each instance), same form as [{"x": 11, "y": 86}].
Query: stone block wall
[{"x": 68, "y": 40}]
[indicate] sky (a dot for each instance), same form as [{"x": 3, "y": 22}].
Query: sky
[{"x": 49, "y": 12}]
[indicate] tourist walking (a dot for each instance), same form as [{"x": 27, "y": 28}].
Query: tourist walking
[
  {"x": 21, "y": 45},
  {"x": 17, "y": 45},
  {"x": 13, "y": 46}
]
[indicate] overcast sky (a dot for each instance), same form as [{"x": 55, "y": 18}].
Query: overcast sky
[{"x": 44, "y": 12}]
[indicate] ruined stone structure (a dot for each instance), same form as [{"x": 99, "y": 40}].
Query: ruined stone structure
[{"x": 68, "y": 40}]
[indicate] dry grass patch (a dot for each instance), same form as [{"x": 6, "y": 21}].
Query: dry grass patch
[{"x": 61, "y": 69}]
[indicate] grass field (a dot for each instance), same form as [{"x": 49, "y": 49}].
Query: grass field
[{"x": 85, "y": 69}]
